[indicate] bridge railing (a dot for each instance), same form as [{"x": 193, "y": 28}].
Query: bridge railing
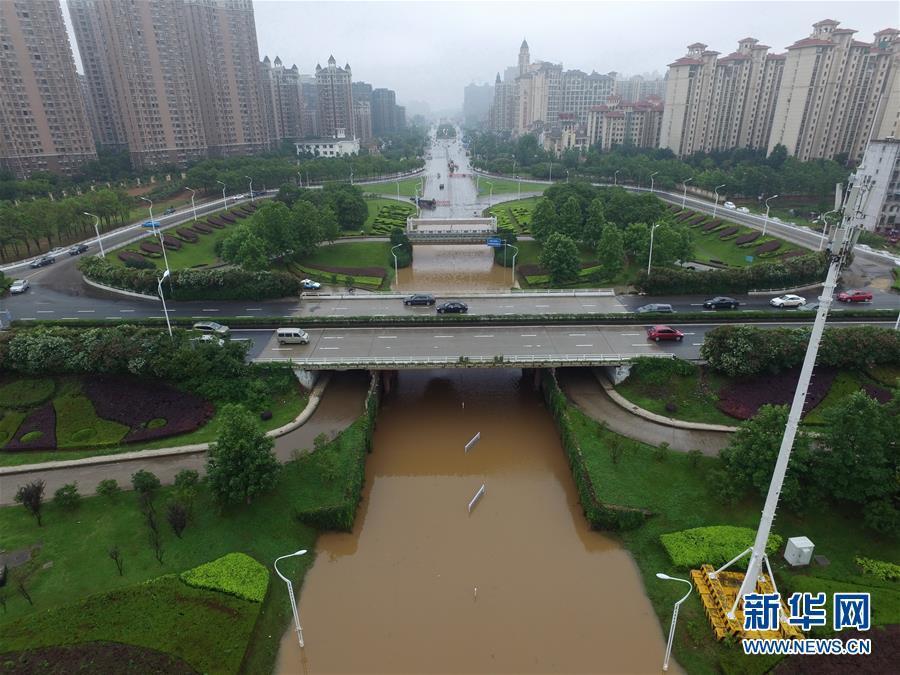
[{"x": 536, "y": 360}]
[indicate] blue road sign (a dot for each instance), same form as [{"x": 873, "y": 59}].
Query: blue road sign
[
  {"x": 494, "y": 242},
  {"x": 151, "y": 223},
  {"x": 748, "y": 258}
]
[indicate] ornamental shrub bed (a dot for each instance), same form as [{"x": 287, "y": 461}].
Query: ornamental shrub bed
[
  {"x": 743, "y": 399},
  {"x": 130, "y": 256},
  {"x": 228, "y": 218},
  {"x": 171, "y": 242},
  {"x": 26, "y": 392},
  {"x": 202, "y": 228},
  {"x": 135, "y": 403},
  {"x": 216, "y": 222},
  {"x": 188, "y": 235},
  {"x": 696, "y": 219},
  {"x": 235, "y": 574},
  {"x": 684, "y": 215},
  {"x": 791, "y": 254},
  {"x": 886, "y": 571},
  {"x": 768, "y": 247},
  {"x": 711, "y": 225},
  {"x": 880, "y": 394},
  {"x": 715, "y": 545},
  {"x": 747, "y": 238},
  {"x": 94, "y": 657},
  {"x": 150, "y": 247},
  {"x": 37, "y": 432},
  {"x": 729, "y": 232}
]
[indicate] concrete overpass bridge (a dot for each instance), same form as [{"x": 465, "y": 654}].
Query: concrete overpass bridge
[{"x": 473, "y": 230}]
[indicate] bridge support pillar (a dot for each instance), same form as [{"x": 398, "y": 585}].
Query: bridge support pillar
[
  {"x": 306, "y": 377},
  {"x": 617, "y": 374},
  {"x": 534, "y": 375},
  {"x": 388, "y": 380}
]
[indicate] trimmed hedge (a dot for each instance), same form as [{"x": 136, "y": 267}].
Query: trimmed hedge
[
  {"x": 601, "y": 516},
  {"x": 746, "y": 351},
  {"x": 880, "y": 569},
  {"x": 236, "y": 574},
  {"x": 229, "y": 283},
  {"x": 783, "y": 274},
  {"x": 715, "y": 545}
]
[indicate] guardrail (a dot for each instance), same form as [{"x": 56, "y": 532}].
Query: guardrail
[{"x": 391, "y": 363}]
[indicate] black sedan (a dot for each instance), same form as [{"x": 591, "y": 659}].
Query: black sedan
[
  {"x": 453, "y": 308},
  {"x": 419, "y": 299},
  {"x": 41, "y": 262},
  {"x": 721, "y": 302}
]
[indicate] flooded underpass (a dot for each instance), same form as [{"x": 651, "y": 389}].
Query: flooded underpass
[
  {"x": 461, "y": 267},
  {"x": 520, "y": 585}
]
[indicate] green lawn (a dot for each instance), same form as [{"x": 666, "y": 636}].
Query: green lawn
[
  {"x": 284, "y": 407},
  {"x": 77, "y": 543},
  {"x": 514, "y": 215},
  {"x": 139, "y": 211},
  {"x": 407, "y": 187},
  {"x": 709, "y": 247},
  {"x": 351, "y": 254},
  {"x": 190, "y": 254},
  {"x": 506, "y": 186},
  {"x": 680, "y": 496}
]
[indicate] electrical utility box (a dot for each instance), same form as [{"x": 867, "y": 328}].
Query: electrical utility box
[{"x": 799, "y": 551}]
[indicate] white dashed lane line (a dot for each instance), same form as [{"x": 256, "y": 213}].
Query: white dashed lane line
[
  {"x": 641, "y": 344},
  {"x": 387, "y": 337},
  {"x": 86, "y": 311},
  {"x": 577, "y": 334},
  {"x": 210, "y": 310},
  {"x": 528, "y": 335},
  {"x": 542, "y": 306},
  {"x": 45, "y": 311},
  {"x": 332, "y": 337},
  {"x": 584, "y": 345},
  {"x": 629, "y": 334},
  {"x": 483, "y": 336},
  {"x": 329, "y": 348},
  {"x": 443, "y": 336},
  {"x": 126, "y": 310}
]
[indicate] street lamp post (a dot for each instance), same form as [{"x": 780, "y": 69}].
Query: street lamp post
[
  {"x": 97, "y": 230},
  {"x": 824, "y": 218},
  {"x": 300, "y": 179},
  {"x": 666, "y": 577},
  {"x": 193, "y": 206},
  {"x": 163, "y": 298},
  {"x": 224, "y": 198},
  {"x": 766, "y": 221},
  {"x": 155, "y": 226},
  {"x": 616, "y": 177},
  {"x": 651, "y": 180},
  {"x": 351, "y": 176},
  {"x": 251, "y": 187},
  {"x": 551, "y": 172},
  {"x": 716, "y": 207},
  {"x": 684, "y": 195},
  {"x": 514, "y": 263},
  {"x": 567, "y": 175},
  {"x": 291, "y": 593},
  {"x": 650, "y": 257},
  {"x": 396, "y": 271},
  {"x": 491, "y": 194}
]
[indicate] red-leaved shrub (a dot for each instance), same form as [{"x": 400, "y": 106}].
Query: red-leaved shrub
[
  {"x": 41, "y": 419},
  {"x": 743, "y": 399}
]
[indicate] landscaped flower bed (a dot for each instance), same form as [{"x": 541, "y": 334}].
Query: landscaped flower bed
[
  {"x": 215, "y": 222},
  {"x": 747, "y": 238},
  {"x": 37, "y": 432},
  {"x": 711, "y": 225},
  {"x": 171, "y": 242},
  {"x": 152, "y": 410},
  {"x": 188, "y": 235},
  {"x": 742, "y": 400},
  {"x": 684, "y": 215},
  {"x": 880, "y": 394},
  {"x": 768, "y": 247},
  {"x": 729, "y": 232},
  {"x": 228, "y": 218},
  {"x": 150, "y": 247},
  {"x": 792, "y": 254},
  {"x": 126, "y": 256},
  {"x": 202, "y": 228}
]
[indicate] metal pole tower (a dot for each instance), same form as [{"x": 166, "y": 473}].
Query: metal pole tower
[{"x": 844, "y": 240}]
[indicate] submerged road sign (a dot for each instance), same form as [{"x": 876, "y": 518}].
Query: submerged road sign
[{"x": 494, "y": 242}]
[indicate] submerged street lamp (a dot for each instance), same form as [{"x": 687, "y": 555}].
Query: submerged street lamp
[
  {"x": 666, "y": 577},
  {"x": 291, "y": 593}
]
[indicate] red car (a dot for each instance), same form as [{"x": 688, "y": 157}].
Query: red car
[
  {"x": 854, "y": 296},
  {"x": 657, "y": 333}
]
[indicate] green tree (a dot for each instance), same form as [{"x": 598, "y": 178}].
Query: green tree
[
  {"x": 243, "y": 247},
  {"x": 543, "y": 220},
  {"x": 328, "y": 224},
  {"x": 636, "y": 239},
  {"x": 751, "y": 454},
  {"x": 611, "y": 252},
  {"x": 559, "y": 257},
  {"x": 241, "y": 464},
  {"x": 31, "y": 496},
  {"x": 863, "y": 458},
  {"x": 594, "y": 224},
  {"x": 306, "y": 225},
  {"x": 569, "y": 221}
]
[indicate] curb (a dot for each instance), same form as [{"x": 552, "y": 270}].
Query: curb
[
  {"x": 627, "y": 405},
  {"x": 119, "y": 291},
  {"x": 808, "y": 287},
  {"x": 315, "y": 397}
]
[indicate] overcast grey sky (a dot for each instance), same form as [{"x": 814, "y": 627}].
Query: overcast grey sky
[{"x": 430, "y": 50}]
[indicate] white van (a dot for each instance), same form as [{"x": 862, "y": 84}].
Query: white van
[{"x": 292, "y": 336}]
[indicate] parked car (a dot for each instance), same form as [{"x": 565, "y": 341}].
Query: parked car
[
  {"x": 729, "y": 205},
  {"x": 78, "y": 249},
  {"x": 419, "y": 299},
  {"x": 42, "y": 261},
  {"x": 310, "y": 285},
  {"x": 659, "y": 333},
  {"x": 169, "y": 211},
  {"x": 743, "y": 209},
  {"x": 855, "y": 296},
  {"x": 292, "y": 336},
  {"x": 211, "y": 328},
  {"x": 720, "y": 302},
  {"x": 19, "y": 286},
  {"x": 453, "y": 308},
  {"x": 788, "y": 300},
  {"x": 441, "y": 186},
  {"x": 655, "y": 307}
]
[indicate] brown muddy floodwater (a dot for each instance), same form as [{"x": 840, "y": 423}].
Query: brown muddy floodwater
[
  {"x": 398, "y": 595},
  {"x": 445, "y": 267}
]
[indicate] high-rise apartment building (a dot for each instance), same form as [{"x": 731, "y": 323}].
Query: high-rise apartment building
[
  {"x": 156, "y": 96},
  {"x": 225, "y": 60},
  {"x": 579, "y": 92},
  {"x": 335, "y": 99},
  {"x": 640, "y": 88},
  {"x": 309, "y": 100},
  {"x": 619, "y": 122},
  {"x": 362, "y": 120},
  {"x": 43, "y": 121},
  {"x": 505, "y": 105},
  {"x": 477, "y": 100},
  {"x": 835, "y": 92},
  {"x": 538, "y": 97},
  {"x": 282, "y": 104},
  {"x": 362, "y": 91},
  {"x": 717, "y": 103}
]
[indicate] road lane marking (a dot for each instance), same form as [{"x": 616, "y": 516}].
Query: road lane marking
[
  {"x": 696, "y": 304},
  {"x": 70, "y": 318},
  {"x": 49, "y": 311},
  {"x": 542, "y": 305},
  {"x": 697, "y": 344},
  {"x": 443, "y": 336},
  {"x": 86, "y": 311},
  {"x": 690, "y": 333},
  {"x": 593, "y": 305},
  {"x": 528, "y": 335},
  {"x": 641, "y": 344},
  {"x": 506, "y": 306},
  {"x": 126, "y": 310},
  {"x": 281, "y": 349},
  {"x": 577, "y": 334},
  {"x": 336, "y": 308},
  {"x": 118, "y": 317},
  {"x": 387, "y": 337},
  {"x": 253, "y": 309},
  {"x": 483, "y": 336},
  {"x": 584, "y": 345},
  {"x": 210, "y": 310},
  {"x": 243, "y": 316},
  {"x": 332, "y": 337},
  {"x": 329, "y": 347},
  {"x": 629, "y": 334}
]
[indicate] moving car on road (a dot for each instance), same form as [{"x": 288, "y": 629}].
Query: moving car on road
[
  {"x": 211, "y": 328},
  {"x": 720, "y": 302},
  {"x": 292, "y": 336},
  {"x": 655, "y": 307},
  {"x": 419, "y": 299},
  {"x": 19, "y": 286},
  {"x": 169, "y": 211},
  {"x": 659, "y": 333},
  {"x": 42, "y": 261},
  {"x": 310, "y": 285},
  {"x": 78, "y": 249},
  {"x": 729, "y": 205},
  {"x": 854, "y": 296},
  {"x": 788, "y": 300},
  {"x": 453, "y": 308}
]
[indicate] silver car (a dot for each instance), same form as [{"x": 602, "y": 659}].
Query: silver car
[
  {"x": 211, "y": 328},
  {"x": 19, "y": 286},
  {"x": 788, "y": 300}
]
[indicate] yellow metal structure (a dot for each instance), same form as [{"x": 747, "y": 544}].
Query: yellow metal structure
[{"x": 718, "y": 595}]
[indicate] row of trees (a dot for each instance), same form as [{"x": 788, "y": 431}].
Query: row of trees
[
  {"x": 39, "y": 224},
  {"x": 743, "y": 171}
]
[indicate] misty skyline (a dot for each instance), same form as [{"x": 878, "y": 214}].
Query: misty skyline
[{"x": 429, "y": 51}]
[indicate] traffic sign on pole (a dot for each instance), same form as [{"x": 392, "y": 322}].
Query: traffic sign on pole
[{"x": 495, "y": 242}]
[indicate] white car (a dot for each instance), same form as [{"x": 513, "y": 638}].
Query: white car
[
  {"x": 788, "y": 300},
  {"x": 19, "y": 286},
  {"x": 310, "y": 285},
  {"x": 729, "y": 205},
  {"x": 743, "y": 209}
]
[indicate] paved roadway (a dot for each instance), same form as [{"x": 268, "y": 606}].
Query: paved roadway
[{"x": 477, "y": 341}]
